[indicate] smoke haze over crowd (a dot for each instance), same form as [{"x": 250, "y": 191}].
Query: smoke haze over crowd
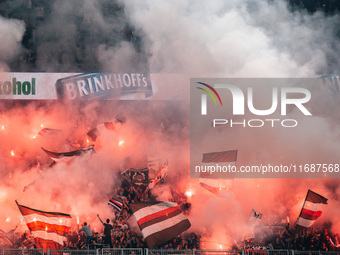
[{"x": 188, "y": 38}]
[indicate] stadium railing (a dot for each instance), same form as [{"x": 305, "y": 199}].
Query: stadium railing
[
  {"x": 268, "y": 252},
  {"x": 315, "y": 253},
  {"x": 22, "y": 252},
  {"x": 122, "y": 251},
  {"x": 72, "y": 252},
  {"x": 139, "y": 251},
  {"x": 218, "y": 252},
  {"x": 168, "y": 252}
]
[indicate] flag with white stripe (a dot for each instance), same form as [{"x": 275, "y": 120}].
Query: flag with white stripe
[
  {"x": 67, "y": 157},
  {"x": 161, "y": 174},
  {"x": 219, "y": 186},
  {"x": 48, "y": 228},
  {"x": 160, "y": 221},
  {"x": 116, "y": 204},
  {"x": 100, "y": 129},
  {"x": 312, "y": 209}
]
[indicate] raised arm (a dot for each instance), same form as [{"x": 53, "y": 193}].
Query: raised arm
[{"x": 100, "y": 219}]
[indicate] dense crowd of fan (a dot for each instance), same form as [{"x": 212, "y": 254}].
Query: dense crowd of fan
[
  {"x": 124, "y": 233},
  {"x": 285, "y": 238}
]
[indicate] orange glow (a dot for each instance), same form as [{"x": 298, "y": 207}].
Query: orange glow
[
  {"x": 2, "y": 127},
  {"x": 3, "y": 195},
  {"x": 188, "y": 193},
  {"x": 12, "y": 153}
]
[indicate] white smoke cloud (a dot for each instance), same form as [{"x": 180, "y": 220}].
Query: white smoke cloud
[
  {"x": 248, "y": 38},
  {"x": 12, "y": 31}
]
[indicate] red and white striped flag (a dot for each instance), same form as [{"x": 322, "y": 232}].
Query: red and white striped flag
[
  {"x": 312, "y": 209},
  {"x": 48, "y": 228},
  {"x": 219, "y": 186},
  {"x": 159, "y": 222}
]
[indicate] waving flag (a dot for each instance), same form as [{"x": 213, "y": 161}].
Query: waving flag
[
  {"x": 137, "y": 177},
  {"x": 160, "y": 221},
  {"x": 116, "y": 204},
  {"x": 104, "y": 127},
  {"x": 95, "y": 132},
  {"x": 254, "y": 217},
  {"x": 161, "y": 174},
  {"x": 48, "y": 228},
  {"x": 222, "y": 156},
  {"x": 219, "y": 186},
  {"x": 70, "y": 155},
  {"x": 5, "y": 241},
  {"x": 311, "y": 210},
  {"x": 253, "y": 221},
  {"x": 46, "y": 132}
]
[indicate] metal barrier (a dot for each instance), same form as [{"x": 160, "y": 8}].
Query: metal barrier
[
  {"x": 73, "y": 252},
  {"x": 168, "y": 252},
  {"x": 316, "y": 253},
  {"x": 128, "y": 251},
  {"x": 122, "y": 251},
  {"x": 306, "y": 253},
  {"x": 256, "y": 252},
  {"x": 217, "y": 252},
  {"x": 268, "y": 252},
  {"x": 22, "y": 252}
]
